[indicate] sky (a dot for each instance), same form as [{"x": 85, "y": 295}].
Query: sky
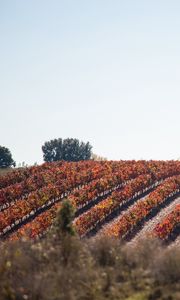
[{"x": 102, "y": 71}]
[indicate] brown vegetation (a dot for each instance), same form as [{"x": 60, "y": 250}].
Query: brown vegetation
[
  {"x": 65, "y": 267},
  {"x": 5, "y": 171}
]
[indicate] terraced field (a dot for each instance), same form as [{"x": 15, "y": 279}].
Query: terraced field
[{"x": 123, "y": 199}]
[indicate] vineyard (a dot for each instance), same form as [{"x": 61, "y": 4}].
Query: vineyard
[{"x": 123, "y": 199}]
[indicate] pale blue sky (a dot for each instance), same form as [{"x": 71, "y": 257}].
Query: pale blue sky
[{"x": 103, "y": 71}]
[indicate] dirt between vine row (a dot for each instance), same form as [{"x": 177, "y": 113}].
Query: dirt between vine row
[
  {"x": 114, "y": 214},
  {"x": 130, "y": 236},
  {"x": 150, "y": 225},
  {"x": 176, "y": 243}
]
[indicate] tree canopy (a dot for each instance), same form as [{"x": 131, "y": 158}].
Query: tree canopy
[
  {"x": 6, "y": 158},
  {"x": 68, "y": 149}
]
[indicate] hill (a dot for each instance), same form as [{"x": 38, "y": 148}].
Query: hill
[{"x": 123, "y": 199}]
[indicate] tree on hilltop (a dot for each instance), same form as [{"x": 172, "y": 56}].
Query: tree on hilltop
[
  {"x": 6, "y": 158},
  {"x": 68, "y": 149}
]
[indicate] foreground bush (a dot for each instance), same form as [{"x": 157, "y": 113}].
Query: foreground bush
[{"x": 66, "y": 267}]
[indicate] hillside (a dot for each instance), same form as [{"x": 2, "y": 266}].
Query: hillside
[{"x": 123, "y": 199}]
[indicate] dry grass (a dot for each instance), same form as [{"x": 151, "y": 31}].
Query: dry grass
[
  {"x": 4, "y": 171},
  {"x": 69, "y": 268}
]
